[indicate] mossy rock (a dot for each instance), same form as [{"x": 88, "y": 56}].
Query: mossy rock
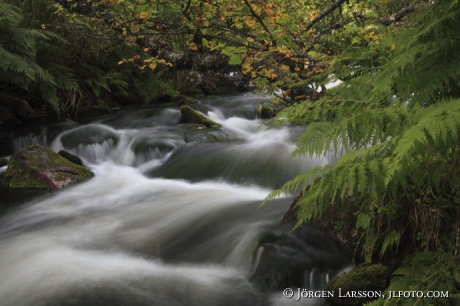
[
  {"x": 265, "y": 111},
  {"x": 3, "y": 162},
  {"x": 350, "y": 287},
  {"x": 189, "y": 115},
  {"x": 184, "y": 100},
  {"x": 39, "y": 167},
  {"x": 70, "y": 157}
]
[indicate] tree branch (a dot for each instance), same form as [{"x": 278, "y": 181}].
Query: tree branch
[
  {"x": 329, "y": 10},
  {"x": 397, "y": 16}
]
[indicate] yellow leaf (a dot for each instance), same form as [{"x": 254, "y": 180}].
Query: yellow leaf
[
  {"x": 120, "y": 62},
  {"x": 392, "y": 46},
  {"x": 143, "y": 15},
  {"x": 146, "y": 49},
  {"x": 284, "y": 68},
  {"x": 194, "y": 47},
  {"x": 152, "y": 65},
  {"x": 250, "y": 22}
]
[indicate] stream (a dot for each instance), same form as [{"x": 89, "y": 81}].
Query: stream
[{"x": 171, "y": 217}]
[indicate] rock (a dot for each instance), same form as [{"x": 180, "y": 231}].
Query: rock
[
  {"x": 184, "y": 100},
  {"x": 17, "y": 107},
  {"x": 71, "y": 158},
  {"x": 366, "y": 278},
  {"x": 265, "y": 111},
  {"x": 39, "y": 167},
  {"x": 3, "y": 162},
  {"x": 89, "y": 134},
  {"x": 189, "y": 115},
  {"x": 339, "y": 223},
  {"x": 299, "y": 258}
]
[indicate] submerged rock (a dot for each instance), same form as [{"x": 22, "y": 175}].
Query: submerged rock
[
  {"x": 71, "y": 158},
  {"x": 370, "y": 280},
  {"x": 39, "y": 167},
  {"x": 189, "y": 115}
]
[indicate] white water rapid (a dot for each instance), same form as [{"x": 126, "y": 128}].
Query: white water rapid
[{"x": 170, "y": 218}]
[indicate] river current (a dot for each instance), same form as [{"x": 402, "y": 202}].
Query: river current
[{"x": 171, "y": 217}]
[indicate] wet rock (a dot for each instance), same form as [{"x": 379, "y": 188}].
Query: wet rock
[
  {"x": 189, "y": 115},
  {"x": 266, "y": 110},
  {"x": 70, "y": 157},
  {"x": 87, "y": 135},
  {"x": 39, "y": 167},
  {"x": 3, "y": 162},
  {"x": 369, "y": 279},
  {"x": 303, "y": 258},
  {"x": 339, "y": 223},
  {"x": 184, "y": 100}
]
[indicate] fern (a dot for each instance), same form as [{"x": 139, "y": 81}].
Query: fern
[
  {"x": 397, "y": 118},
  {"x": 427, "y": 271}
]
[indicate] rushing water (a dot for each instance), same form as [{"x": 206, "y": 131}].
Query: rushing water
[{"x": 171, "y": 217}]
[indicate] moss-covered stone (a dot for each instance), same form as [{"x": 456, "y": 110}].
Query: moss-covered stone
[
  {"x": 39, "y": 167},
  {"x": 350, "y": 287},
  {"x": 189, "y": 115},
  {"x": 3, "y": 162},
  {"x": 265, "y": 111},
  {"x": 70, "y": 157},
  {"x": 184, "y": 100}
]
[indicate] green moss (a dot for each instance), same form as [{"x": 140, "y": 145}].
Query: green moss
[
  {"x": 364, "y": 278},
  {"x": 189, "y": 115},
  {"x": 35, "y": 166},
  {"x": 187, "y": 101}
]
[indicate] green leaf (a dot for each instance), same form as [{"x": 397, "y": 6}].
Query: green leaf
[{"x": 235, "y": 60}]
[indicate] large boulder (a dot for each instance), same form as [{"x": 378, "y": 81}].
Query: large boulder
[
  {"x": 39, "y": 167},
  {"x": 189, "y": 115}
]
